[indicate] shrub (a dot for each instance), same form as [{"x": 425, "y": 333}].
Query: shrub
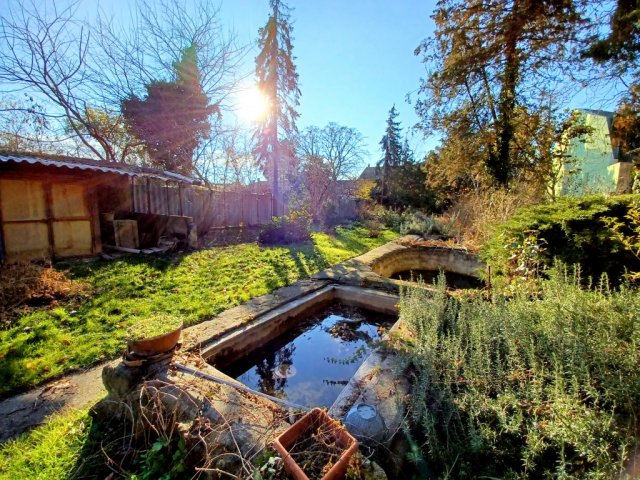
[
  {"x": 575, "y": 230},
  {"x": 418, "y": 223},
  {"x": 294, "y": 228},
  {"x": 547, "y": 388},
  {"x": 477, "y": 212},
  {"x": 377, "y": 217}
]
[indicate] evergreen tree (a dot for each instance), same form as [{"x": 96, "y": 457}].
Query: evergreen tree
[
  {"x": 391, "y": 151},
  {"x": 174, "y": 116},
  {"x": 622, "y": 44},
  {"x": 278, "y": 80}
]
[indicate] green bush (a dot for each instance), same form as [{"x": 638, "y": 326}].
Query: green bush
[
  {"x": 575, "y": 230},
  {"x": 517, "y": 388},
  {"x": 295, "y": 228}
]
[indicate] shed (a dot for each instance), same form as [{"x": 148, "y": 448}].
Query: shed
[{"x": 57, "y": 207}]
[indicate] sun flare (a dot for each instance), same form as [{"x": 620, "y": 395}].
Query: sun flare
[{"x": 252, "y": 104}]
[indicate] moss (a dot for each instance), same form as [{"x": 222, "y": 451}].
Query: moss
[{"x": 154, "y": 326}]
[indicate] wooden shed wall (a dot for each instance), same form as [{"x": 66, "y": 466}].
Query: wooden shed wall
[{"x": 44, "y": 213}]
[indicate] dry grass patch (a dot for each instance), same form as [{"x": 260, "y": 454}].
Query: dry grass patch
[{"x": 26, "y": 285}]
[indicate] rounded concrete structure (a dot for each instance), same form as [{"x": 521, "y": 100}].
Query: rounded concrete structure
[{"x": 420, "y": 257}]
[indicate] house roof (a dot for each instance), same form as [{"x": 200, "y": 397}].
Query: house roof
[
  {"x": 95, "y": 165},
  {"x": 370, "y": 173}
]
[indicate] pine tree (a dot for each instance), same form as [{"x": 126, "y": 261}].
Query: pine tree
[
  {"x": 174, "y": 116},
  {"x": 391, "y": 149},
  {"x": 278, "y": 80}
]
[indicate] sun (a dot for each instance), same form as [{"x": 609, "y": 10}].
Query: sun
[{"x": 252, "y": 104}]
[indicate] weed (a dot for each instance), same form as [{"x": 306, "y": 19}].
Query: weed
[
  {"x": 25, "y": 285},
  {"x": 154, "y": 326},
  {"x": 426, "y": 225}
]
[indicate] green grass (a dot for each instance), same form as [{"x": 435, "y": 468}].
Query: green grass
[
  {"x": 197, "y": 286},
  {"x": 49, "y": 452}
]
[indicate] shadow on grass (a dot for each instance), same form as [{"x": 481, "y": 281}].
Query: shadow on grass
[{"x": 81, "y": 270}]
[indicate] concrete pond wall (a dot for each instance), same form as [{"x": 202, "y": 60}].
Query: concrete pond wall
[{"x": 361, "y": 282}]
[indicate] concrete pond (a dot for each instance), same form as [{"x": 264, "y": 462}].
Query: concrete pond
[{"x": 251, "y": 371}]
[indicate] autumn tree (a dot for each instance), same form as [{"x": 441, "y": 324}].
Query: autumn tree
[
  {"x": 620, "y": 47},
  {"x": 278, "y": 80},
  {"x": 174, "y": 116},
  {"x": 490, "y": 63}
]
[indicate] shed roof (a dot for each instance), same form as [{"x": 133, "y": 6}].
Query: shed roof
[{"x": 95, "y": 165}]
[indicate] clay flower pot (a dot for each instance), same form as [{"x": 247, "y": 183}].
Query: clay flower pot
[
  {"x": 156, "y": 345},
  {"x": 316, "y": 425}
]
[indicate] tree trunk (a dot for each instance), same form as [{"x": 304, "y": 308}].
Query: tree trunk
[{"x": 499, "y": 162}]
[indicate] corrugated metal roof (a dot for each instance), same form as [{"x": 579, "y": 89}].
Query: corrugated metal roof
[{"x": 88, "y": 164}]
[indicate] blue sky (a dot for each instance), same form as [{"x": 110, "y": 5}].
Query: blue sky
[{"x": 355, "y": 59}]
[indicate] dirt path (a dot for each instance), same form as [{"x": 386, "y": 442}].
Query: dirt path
[{"x": 30, "y": 409}]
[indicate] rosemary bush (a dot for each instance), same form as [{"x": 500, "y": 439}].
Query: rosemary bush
[
  {"x": 526, "y": 388},
  {"x": 418, "y": 223}
]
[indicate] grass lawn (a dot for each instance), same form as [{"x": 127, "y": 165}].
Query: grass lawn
[
  {"x": 49, "y": 452},
  {"x": 49, "y": 341}
]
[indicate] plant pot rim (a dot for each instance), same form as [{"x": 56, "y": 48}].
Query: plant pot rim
[
  {"x": 339, "y": 468},
  {"x": 158, "y": 344}
]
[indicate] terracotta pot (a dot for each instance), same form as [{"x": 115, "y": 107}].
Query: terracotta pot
[
  {"x": 313, "y": 421},
  {"x": 148, "y": 347}
]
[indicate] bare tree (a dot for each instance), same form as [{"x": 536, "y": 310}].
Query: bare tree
[
  {"x": 328, "y": 156},
  {"x": 79, "y": 72},
  {"x": 146, "y": 49},
  {"x": 340, "y": 148},
  {"x": 45, "y": 52}
]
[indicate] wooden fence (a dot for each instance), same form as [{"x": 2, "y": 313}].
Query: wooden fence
[
  {"x": 212, "y": 208},
  {"x": 209, "y": 209}
]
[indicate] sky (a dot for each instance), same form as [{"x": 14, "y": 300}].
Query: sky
[{"x": 354, "y": 57}]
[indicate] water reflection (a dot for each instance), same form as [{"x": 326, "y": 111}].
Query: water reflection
[{"x": 311, "y": 363}]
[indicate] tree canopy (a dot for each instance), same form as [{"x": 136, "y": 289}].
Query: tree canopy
[
  {"x": 174, "y": 116},
  {"x": 491, "y": 65}
]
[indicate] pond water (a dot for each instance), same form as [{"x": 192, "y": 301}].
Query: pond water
[
  {"x": 454, "y": 281},
  {"x": 311, "y": 363}
]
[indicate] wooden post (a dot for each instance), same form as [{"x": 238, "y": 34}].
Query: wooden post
[
  {"x": 148, "y": 196},
  {"x": 48, "y": 199},
  {"x": 2, "y": 247}
]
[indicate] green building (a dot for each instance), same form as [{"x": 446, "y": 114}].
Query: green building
[{"x": 591, "y": 163}]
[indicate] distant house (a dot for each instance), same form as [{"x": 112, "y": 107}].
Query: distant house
[
  {"x": 57, "y": 207},
  {"x": 592, "y": 163},
  {"x": 371, "y": 173}
]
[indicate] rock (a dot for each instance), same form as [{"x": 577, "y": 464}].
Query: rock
[{"x": 373, "y": 471}]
